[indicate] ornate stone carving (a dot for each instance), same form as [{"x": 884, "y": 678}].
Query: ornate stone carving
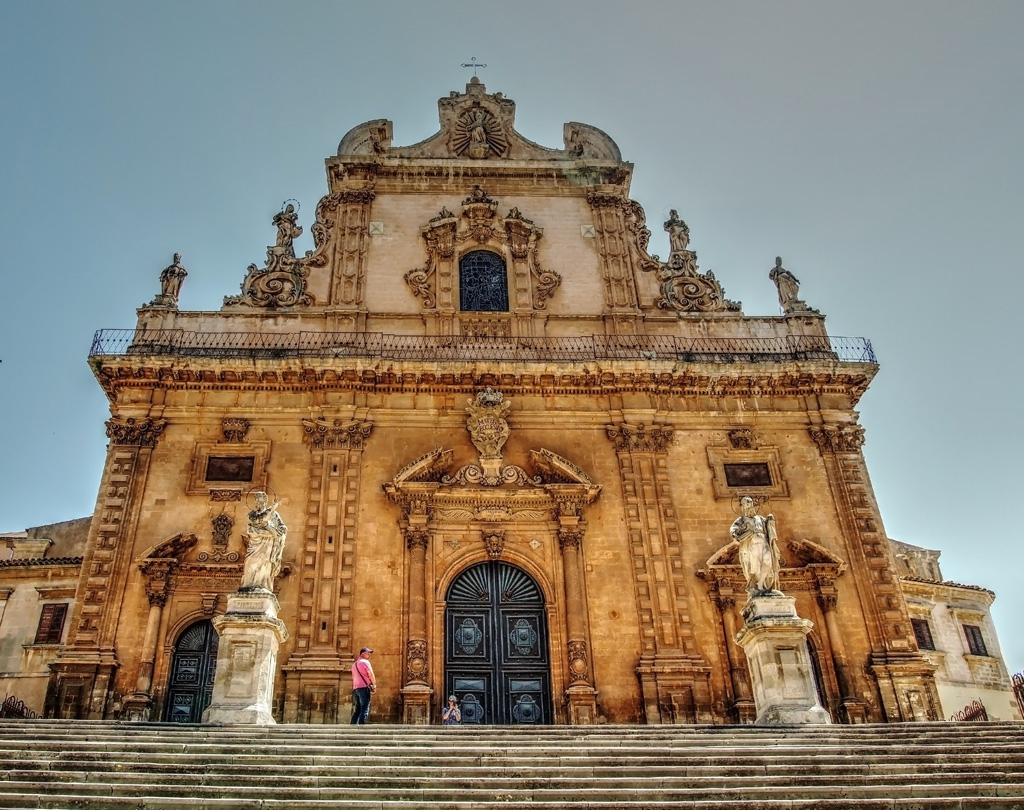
[
  {"x": 788, "y": 287},
  {"x": 478, "y": 134},
  {"x": 743, "y": 439},
  {"x": 133, "y": 432},
  {"x": 282, "y": 283},
  {"x": 337, "y": 435},
  {"x": 486, "y": 327},
  {"x": 838, "y": 438},
  {"x": 225, "y": 495},
  {"x": 416, "y": 661},
  {"x": 209, "y": 603},
  {"x": 494, "y": 544},
  {"x": 222, "y": 525},
  {"x": 171, "y": 280},
  {"x": 639, "y": 438},
  {"x": 551, "y": 468},
  {"x": 234, "y": 429},
  {"x": 480, "y": 223},
  {"x": 157, "y": 573},
  {"x": 417, "y": 539},
  {"x": 486, "y": 424},
  {"x": 569, "y": 539},
  {"x": 579, "y": 664},
  {"x": 678, "y": 233}
]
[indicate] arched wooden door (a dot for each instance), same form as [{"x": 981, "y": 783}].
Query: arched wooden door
[
  {"x": 192, "y": 669},
  {"x": 496, "y": 646}
]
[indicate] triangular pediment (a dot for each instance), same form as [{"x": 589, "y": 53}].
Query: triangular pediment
[{"x": 807, "y": 552}]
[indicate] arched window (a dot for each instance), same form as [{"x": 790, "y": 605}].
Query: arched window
[{"x": 483, "y": 282}]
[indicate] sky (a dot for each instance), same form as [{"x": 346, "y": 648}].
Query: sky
[{"x": 875, "y": 146}]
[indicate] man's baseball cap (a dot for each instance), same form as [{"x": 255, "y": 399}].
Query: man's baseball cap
[{"x": 365, "y": 649}]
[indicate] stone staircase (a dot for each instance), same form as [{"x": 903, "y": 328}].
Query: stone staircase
[{"x": 85, "y": 764}]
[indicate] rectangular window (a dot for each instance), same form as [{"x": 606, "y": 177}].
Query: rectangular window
[
  {"x": 747, "y": 475},
  {"x": 923, "y": 634},
  {"x": 975, "y": 643},
  {"x": 51, "y": 623},
  {"x": 230, "y": 468}
]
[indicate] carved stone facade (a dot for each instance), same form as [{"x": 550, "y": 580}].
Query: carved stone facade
[{"x": 542, "y": 485}]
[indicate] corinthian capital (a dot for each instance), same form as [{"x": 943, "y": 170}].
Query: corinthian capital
[
  {"x": 639, "y": 438},
  {"x": 337, "y": 435},
  {"x": 132, "y": 432},
  {"x": 838, "y": 438}
]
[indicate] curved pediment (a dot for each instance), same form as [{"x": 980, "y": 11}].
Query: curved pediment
[{"x": 477, "y": 125}]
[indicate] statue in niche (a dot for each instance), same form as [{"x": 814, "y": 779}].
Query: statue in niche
[
  {"x": 759, "y": 549},
  {"x": 265, "y": 549},
  {"x": 678, "y": 233},
  {"x": 288, "y": 228},
  {"x": 788, "y": 287},
  {"x": 171, "y": 280}
]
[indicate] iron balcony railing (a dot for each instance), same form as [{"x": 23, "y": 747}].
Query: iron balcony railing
[{"x": 378, "y": 345}]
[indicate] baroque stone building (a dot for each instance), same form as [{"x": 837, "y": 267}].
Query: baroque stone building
[{"x": 508, "y": 443}]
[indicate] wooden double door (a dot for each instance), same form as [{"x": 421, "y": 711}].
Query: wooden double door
[
  {"x": 192, "y": 670},
  {"x": 496, "y": 646}
]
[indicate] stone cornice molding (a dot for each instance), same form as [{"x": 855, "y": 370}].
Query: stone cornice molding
[
  {"x": 320, "y": 434},
  {"x": 639, "y": 438},
  {"x": 133, "y": 432},
  {"x": 837, "y": 438},
  {"x": 517, "y": 378}
]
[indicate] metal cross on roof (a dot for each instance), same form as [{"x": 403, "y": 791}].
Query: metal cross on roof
[{"x": 473, "y": 64}]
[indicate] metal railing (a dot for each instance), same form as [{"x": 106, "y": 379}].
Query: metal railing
[
  {"x": 1018, "y": 691},
  {"x": 262, "y": 345},
  {"x": 973, "y": 712},
  {"x": 12, "y": 707}
]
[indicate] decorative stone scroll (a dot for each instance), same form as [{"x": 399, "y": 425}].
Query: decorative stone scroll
[
  {"x": 683, "y": 287},
  {"x": 838, "y": 438},
  {"x": 282, "y": 282},
  {"x": 133, "y": 432}
]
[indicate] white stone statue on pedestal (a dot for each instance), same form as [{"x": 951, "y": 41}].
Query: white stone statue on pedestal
[
  {"x": 250, "y": 632},
  {"x": 773, "y": 637},
  {"x": 759, "y": 549}
]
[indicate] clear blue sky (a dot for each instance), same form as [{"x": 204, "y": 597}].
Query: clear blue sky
[{"x": 875, "y": 146}]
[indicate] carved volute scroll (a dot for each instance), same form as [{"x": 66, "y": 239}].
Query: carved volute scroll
[
  {"x": 517, "y": 238},
  {"x": 282, "y": 282},
  {"x": 683, "y": 287}
]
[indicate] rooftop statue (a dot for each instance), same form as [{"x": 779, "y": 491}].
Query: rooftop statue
[
  {"x": 170, "y": 284},
  {"x": 788, "y": 287}
]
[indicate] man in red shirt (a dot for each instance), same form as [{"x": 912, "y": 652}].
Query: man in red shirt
[{"x": 363, "y": 685}]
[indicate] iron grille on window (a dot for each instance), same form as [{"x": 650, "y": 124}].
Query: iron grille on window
[
  {"x": 923, "y": 634},
  {"x": 975, "y": 643},
  {"x": 483, "y": 282},
  {"x": 51, "y": 623}
]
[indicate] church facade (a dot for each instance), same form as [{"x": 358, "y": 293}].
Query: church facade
[{"x": 508, "y": 444}]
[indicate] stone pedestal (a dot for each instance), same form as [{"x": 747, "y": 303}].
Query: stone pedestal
[
  {"x": 250, "y": 634},
  {"x": 416, "y": 704},
  {"x": 774, "y": 639},
  {"x": 581, "y": 701}
]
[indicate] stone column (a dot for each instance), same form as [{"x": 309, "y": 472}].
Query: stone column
[
  {"x": 775, "y": 641},
  {"x": 581, "y": 695},
  {"x": 743, "y": 700},
  {"x": 139, "y": 705},
  {"x": 250, "y": 636},
  {"x": 851, "y": 708},
  {"x": 416, "y": 693}
]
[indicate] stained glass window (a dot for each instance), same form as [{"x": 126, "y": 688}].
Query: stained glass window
[{"x": 483, "y": 282}]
